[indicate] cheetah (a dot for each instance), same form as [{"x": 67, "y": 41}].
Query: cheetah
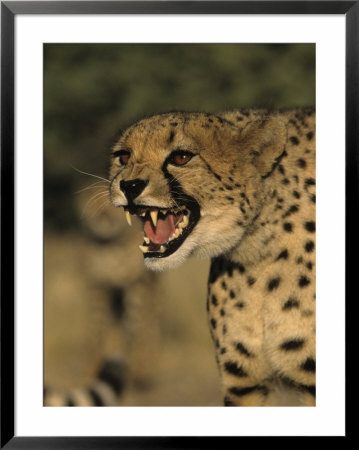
[{"x": 237, "y": 187}]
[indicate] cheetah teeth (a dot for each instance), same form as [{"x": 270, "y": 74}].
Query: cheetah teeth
[
  {"x": 128, "y": 217},
  {"x": 154, "y": 216},
  {"x": 145, "y": 247}
]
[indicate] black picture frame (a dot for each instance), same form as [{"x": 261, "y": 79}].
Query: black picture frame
[{"x": 9, "y": 10}]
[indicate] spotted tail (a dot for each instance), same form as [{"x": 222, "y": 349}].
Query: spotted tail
[{"x": 105, "y": 390}]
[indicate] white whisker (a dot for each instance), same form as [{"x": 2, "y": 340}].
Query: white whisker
[{"x": 90, "y": 174}]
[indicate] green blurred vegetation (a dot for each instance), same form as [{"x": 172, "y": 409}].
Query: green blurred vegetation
[{"x": 92, "y": 91}]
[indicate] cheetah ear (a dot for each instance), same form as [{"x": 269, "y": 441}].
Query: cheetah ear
[{"x": 264, "y": 142}]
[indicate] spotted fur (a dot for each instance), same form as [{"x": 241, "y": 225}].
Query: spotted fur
[{"x": 247, "y": 179}]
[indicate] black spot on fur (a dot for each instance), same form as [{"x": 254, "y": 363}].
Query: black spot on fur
[
  {"x": 309, "y": 135},
  {"x": 222, "y": 312},
  {"x": 292, "y": 344},
  {"x": 303, "y": 281},
  {"x": 302, "y": 163},
  {"x": 251, "y": 281},
  {"x": 239, "y": 305},
  {"x": 285, "y": 181},
  {"x": 273, "y": 283},
  {"x": 309, "y": 265},
  {"x": 240, "y": 392},
  {"x": 221, "y": 265},
  {"x": 224, "y": 285},
  {"x": 296, "y": 194},
  {"x": 309, "y": 182},
  {"x": 310, "y": 226},
  {"x": 293, "y": 209},
  {"x": 309, "y": 246},
  {"x": 214, "y": 323},
  {"x": 281, "y": 169},
  {"x": 214, "y": 300},
  {"x": 290, "y": 303},
  {"x": 223, "y": 351},
  {"x": 243, "y": 350},
  {"x": 299, "y": 386},
  {"x": 283, "y": 255},
  {"x": 234, "y": 369},
  {"x": 287, "y": 226},
  {"x": 232, "y": 294},
  {"x": 313, "y": 198},
  {"x": 308, "y": 365},
  {"x": 172, "y": 135},
  {"x": 294, "y": 140}
]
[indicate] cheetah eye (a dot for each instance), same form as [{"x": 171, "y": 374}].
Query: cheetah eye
[
  {"x": 180, "y": 157},
  {"x": 123, "y": 156}
]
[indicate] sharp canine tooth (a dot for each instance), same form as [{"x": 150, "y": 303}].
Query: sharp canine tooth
[
  {"x": 143, "y": 214},
  {"x": 163, "y": 211},
  {"x": 128, "y": 217},
  {"x": 146, "y": 239},
  {"x": 162, "y": 248},
  {"x": 154, "y": 215},
  {"x": 143, "y": 248},
  {"x": 185, "y": 221}
]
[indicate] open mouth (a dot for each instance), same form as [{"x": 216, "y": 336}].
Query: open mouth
[{"x": 164, "y": 230}]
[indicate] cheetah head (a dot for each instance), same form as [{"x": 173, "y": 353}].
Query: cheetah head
[{"x": 193, "y": 180}]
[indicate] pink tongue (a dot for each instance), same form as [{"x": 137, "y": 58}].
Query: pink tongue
[{"x": 160, "y": 233}]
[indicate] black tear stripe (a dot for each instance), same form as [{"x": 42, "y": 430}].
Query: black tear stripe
[
  {"x": 275, "y": 164},
  {"x": 178, "y": 193}
]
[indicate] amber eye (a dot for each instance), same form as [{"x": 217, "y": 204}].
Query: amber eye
[
  {"x": 180, "y": 157},
  {"x": 123, "y": 156}
]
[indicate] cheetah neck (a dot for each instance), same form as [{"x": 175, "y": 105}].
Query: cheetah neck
[{"x": 261, "y": 238}]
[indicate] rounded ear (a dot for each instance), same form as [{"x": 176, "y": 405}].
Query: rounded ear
[{"x": 264, "y": 142}]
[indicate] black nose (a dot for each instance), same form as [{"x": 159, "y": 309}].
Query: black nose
[{"x": 132, "y": 188}]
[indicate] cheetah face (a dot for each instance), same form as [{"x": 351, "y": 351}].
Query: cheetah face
[{"x": 179, "y": 175}]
